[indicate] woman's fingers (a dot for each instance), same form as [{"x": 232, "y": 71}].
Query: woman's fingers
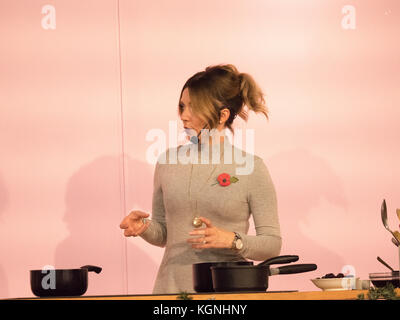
[
  {"x": 133, "y": 232},
  {"x": 134, "y": 215},
  {"x": 205, "y": 235},
  {"x": 128, "y": 232},
  {"x": 210, "y": 237},
  {"x": 206, "y": 221},
  {"x": 126, "y": 221},
  {"x": 202, "y": 242},
  {"x": 200, "y": 232},
  {"x": 199, "y": 240},
  {"x": 134, "y": 224},
  {"x": 143, "y": 228},
  {"x": 139, "y": 214},
  {"x": 124, "y": 224}
]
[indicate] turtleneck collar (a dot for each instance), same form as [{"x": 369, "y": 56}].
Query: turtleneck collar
[
  {"x": 215, "y": 143},
  {"x": 207, "y": 152}
]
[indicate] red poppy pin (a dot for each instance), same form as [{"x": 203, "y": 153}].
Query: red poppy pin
[{"x": 225, "y": 179}]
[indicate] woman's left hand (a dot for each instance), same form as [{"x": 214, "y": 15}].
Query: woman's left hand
[{"x": 211, "y": 237}]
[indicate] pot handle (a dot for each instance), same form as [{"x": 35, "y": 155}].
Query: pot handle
[
  {"x": 279, "y": 260},
  {"x": 295, "y": 268},
  {"x": 92, "y": 268}
]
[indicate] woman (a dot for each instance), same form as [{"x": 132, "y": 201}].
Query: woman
[{"x": 200, "y": 212}]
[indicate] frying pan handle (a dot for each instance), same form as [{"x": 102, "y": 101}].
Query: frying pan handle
[
  {"x": 92, "y": 268},
  {"x": 295, "y": 268},
  {"x": 279, "y": 260}
]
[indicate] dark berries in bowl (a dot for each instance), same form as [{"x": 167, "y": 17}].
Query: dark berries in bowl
[{"x": 332, "y": 276}]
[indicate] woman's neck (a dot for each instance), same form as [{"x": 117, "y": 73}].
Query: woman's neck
[{"x": 217, "y": 137}]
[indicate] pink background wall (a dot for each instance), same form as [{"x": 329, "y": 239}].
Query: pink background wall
[{"x": 77, "y": 101}]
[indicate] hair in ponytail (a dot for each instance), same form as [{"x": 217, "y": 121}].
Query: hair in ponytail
[
  {"x": 252, "y": 95},
  {"x": 223, "y": 86}
]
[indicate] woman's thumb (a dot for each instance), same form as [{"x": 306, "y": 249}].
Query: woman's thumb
[{"x": 142, "y": 214}]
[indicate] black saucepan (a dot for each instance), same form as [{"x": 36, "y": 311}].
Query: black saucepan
[
  {"x": 61, "y": 282},
  {"x": 202, "y": 276},
  {"x": 251, "y": 278},
  {"x": 202, "y": 280}
]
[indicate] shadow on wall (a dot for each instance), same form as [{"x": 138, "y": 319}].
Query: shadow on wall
[
  {"x": 3, "y": 205},
  {"x": 94, "y": 210},
  {"x": 139, "y": 178},
  {"x": 302, "y": 180}
]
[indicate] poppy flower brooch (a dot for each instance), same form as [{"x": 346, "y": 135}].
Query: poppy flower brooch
[{"x": 225, "y": 179}]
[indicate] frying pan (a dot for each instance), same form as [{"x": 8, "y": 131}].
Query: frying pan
[
  {"x": 251, "y": 278},
  {"x": 61, "y": 282},
  {"x": 202, "y": 276}
]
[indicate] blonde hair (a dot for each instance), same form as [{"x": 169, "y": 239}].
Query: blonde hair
[{"x": 223, "y": 86}]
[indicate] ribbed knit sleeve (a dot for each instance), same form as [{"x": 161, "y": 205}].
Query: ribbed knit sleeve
[
  {"x": 262, "y": 201},
  {"x": 156, "y": 233}
]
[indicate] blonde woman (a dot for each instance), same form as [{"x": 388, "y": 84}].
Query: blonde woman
[{"x": 201, "y": 211}]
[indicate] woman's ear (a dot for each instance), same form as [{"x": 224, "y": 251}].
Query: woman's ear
[{"x": 224, "y": 115}]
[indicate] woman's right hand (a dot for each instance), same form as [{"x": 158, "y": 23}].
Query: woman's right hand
[{"x": 134, "y": 223}]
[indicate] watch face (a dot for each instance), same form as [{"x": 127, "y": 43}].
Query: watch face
[{"x": 239, "y": 244}]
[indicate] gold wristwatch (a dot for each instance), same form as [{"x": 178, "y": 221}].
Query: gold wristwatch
[{"x": 237, "y": 242}]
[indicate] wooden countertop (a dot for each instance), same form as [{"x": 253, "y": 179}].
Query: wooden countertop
[{"x": 305, "y": 295}]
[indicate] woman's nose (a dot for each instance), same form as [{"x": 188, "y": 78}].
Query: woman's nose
[{"x": 185, "y": 115}]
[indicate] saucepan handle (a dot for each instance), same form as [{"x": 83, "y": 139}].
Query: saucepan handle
[
  {"x": 295, "y": 268},
  {"x": 279, "y": 260},
  {"x": 92, "y": 268}
]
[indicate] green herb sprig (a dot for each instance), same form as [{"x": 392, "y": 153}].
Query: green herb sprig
[
  {"x": 184, "y": 296},
  {"x": 386, "y": 293}
]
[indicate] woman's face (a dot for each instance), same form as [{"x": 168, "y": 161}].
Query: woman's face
[{"x": 189, "y": 120}]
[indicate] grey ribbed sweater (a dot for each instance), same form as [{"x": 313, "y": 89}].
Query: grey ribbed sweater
[{"x": 179, "y": 188}]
